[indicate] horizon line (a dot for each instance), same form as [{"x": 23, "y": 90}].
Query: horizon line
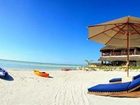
[{"x": 38, "y": 62}]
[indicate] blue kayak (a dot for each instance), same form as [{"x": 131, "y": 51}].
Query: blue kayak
[{"x": 3, "y": 72}]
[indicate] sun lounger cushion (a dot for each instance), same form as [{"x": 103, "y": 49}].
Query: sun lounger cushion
[
  {"x": 116, "y": 80},
  {"x": 110, "y": 87},
  {"x": 137, "y": 76},
  {"x": 120, "y": 79},
  {"x": 134, "y": 84}
]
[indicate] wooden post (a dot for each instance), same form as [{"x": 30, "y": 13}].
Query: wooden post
[{"x": 127, "y": 64}]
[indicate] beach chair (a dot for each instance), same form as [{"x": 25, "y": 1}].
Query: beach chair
[
  {"x": 3, "y": 73},
  {"x": 117, "y": 80},
  {"x": 126, "y": 89}
]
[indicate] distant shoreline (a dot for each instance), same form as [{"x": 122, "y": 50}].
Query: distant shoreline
[
  {"x": 40, "y": 62},
  {"x": 14, "y": 64}
]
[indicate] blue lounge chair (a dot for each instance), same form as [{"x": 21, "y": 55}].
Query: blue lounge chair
[
  {"x": 137, "y": 76},
  {"x": 3, "y": 73},
  {"x": 127, "y": 89},
  {"x": 113, "y": 80}
]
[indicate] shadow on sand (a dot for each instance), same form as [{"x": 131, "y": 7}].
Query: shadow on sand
[{"x": 8, "y": 77}]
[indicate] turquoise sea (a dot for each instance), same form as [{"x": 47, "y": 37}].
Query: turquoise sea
[{"x": 24, "y": 65}]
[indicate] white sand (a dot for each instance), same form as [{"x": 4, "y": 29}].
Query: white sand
[{"x": 65, "y": 88}]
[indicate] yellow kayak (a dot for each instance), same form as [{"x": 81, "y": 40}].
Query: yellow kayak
[{"x": 42, "y": 74}]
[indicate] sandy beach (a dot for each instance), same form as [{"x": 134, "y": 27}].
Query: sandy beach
[{"x": 64, "y": 88}]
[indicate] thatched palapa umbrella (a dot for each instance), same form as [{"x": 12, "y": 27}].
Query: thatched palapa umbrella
[{"x": 120, "y": 32}]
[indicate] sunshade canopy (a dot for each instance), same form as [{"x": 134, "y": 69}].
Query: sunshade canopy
[{"x": 114, "y": 32}]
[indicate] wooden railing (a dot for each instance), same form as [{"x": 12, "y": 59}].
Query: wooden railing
[{"x": 119, "y": 53}]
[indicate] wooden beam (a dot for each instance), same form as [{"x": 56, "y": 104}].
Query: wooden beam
[
  {"x": 114, "y": 35},
  {"x": 135, "y": 29}
]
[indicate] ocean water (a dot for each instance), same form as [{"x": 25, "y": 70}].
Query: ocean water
[{"x": 23, "y": 65}]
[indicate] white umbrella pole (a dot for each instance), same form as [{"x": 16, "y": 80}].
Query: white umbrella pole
[{"x": 127, "y": 65}]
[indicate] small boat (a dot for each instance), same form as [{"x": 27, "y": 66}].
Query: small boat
[
  {"x": 3, "y": 73},
  {"x": 66, "y": 69},
  {"x": 42, "y": 74}
]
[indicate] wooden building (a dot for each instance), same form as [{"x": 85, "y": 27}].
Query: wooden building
[{"x": 111, "y": 55}]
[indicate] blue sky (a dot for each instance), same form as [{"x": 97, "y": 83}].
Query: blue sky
[{"x": 55, "y": 31}]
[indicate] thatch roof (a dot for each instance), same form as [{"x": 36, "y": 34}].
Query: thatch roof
[{"x": 115, "y": 48}]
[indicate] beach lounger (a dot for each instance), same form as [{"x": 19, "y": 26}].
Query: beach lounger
[
  {"x": 126, "y": 89},
  {"x": 3, "y": 73},
  {"x": 137, "y": 76},
  {"x": 116, "y": 80}
]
